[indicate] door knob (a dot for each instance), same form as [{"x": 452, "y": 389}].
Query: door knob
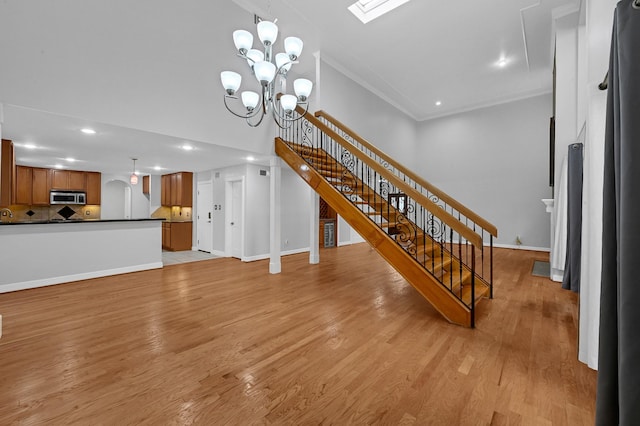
[{"x": 232, "y": 223}]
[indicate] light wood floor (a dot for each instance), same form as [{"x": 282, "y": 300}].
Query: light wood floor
[{"x": 344, "y": 342}]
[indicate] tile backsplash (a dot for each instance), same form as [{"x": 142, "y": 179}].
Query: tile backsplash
[
  {"x": 173, "y": 214},
  {"x": 39, "y": 213}
]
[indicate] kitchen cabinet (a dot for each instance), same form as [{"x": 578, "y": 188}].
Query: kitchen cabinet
[
  {"x": 94, "y": 187},
  {"x": 32, "y": 186},
  {"x": 41, "y": 186},
  {"x": 177, "y": 189},
  {"x": 165, "y": 190},
  {"x": 7, "y": 173},
  {"x": 71, "y": 180},
  {"x": 146, "y": 188},
  {"x": 23, "y": 185},
  {"x": 177, "y": 236}
]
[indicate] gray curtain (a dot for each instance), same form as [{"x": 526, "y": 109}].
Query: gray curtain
[
  {"x": 571, "y": 277},
  {"x": 618, "y": 395}
]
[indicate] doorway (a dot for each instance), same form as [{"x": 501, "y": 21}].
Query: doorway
[
  {"x": 116, "y": 200},
  {"x": 203, "y": 217},
  {"x": 234, "y": 218}
]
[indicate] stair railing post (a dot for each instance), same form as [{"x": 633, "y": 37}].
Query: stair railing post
[
  {"x": 473, "y": 286},
  {"x": 491, "y": 266}
]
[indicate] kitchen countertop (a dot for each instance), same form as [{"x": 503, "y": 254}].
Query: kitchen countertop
[{"x": 55, "y": 221}]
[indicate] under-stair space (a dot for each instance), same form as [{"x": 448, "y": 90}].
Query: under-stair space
[{"x": 437, "y": 244}]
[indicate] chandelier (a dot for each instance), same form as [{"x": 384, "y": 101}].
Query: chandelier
[{"x": 270, "y": 71}]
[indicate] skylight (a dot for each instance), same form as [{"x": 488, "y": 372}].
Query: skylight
[{"x": 368, "y": 10}]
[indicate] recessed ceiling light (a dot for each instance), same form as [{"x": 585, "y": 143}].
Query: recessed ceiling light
[
  {"x": 438, "y": 103},
  {"x": 69, "y": 159},
  {"x": 502, "y": 63},
  {"x": 88, "y": 131},
  {"x": 250, "y": 158},
  {"x": 29, "y": 146},
  {"x": 187, "y": 147},
  {"x": 59, "y": 166},
  {"x": 157, "y": 168},
  {"x": 368, "y": 10}
]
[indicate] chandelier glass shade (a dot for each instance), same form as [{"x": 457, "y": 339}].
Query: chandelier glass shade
[{"x": 270, "y": 71}]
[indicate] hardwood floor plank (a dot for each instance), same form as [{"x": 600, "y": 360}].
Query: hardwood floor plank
[{"x": 345, "y": 341}]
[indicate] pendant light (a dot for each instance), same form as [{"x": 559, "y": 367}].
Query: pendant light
[{"x": 133, "y": 179}]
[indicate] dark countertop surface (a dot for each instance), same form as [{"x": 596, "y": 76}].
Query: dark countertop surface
[{"x": 56, "y": 221}]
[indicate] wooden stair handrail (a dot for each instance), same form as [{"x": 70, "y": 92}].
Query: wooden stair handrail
[
  {"x": 432, "y": 207},
  {"x": 489, "y": 227}
]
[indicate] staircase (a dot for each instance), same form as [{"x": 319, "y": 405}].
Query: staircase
[{"x": 443, "y": 249}]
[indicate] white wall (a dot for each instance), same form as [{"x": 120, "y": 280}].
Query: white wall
[
  {"x": 155, "y": 192},
  {"x": 372, "y": 118},
  {"x": 140, "y": 205},
  {"x": 367, "y": 114},
  {"x": 294, "y": 209},
  {"x": 567, "y": 60},
  {"x": 256, "y": 236},
  {"x": 599, "y": 21},
  {"x": 495, "y": 161},
  {"x": 173, "y": 51}
]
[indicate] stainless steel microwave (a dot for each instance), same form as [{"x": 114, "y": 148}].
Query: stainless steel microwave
[{"x": 67, "y": 197}]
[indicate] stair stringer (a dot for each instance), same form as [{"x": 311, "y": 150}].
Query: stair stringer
[{"x": 428, "y": 286}]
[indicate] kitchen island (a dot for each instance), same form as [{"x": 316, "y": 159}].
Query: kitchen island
[{"x": 40, "y": 253}]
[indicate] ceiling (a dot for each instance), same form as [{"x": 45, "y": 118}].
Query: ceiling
[
  {"x": 57, "y": 139},
  {"x": 144, "y": 74}
]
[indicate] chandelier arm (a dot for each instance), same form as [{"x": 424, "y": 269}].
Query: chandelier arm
[
  {"x": 277, "y": 118},
  {"x": 281, "y": 67},
  {"x": 247, "y": 115},
  {"x": 259, "y": 121},
  {"x": 300, "y": 114}
]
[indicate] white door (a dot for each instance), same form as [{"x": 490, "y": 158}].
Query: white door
[
  {"x": 204, "y": 212},
  {"x": 236, "y": 219}
]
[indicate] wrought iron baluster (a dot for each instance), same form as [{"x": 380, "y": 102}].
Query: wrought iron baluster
[
  {"x": 491, "y": 265},
  {"x": 460, "y": 262},
  {"x": 473, "y": 287}
]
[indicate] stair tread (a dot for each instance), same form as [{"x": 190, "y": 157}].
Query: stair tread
[{"x": 481, "y": 291}]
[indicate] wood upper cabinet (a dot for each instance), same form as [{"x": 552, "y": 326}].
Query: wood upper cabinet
[
  {"x": 185, "y": 189},
  {"x": 174, "y": 189},
  {"x": 32, "y": 186},
  {"x": 94, "y": 187},
  {"x": 146, "y": 188},
  {"x": 41, "y": 186},
  {"x": 7, "y": 173},
  {"x": 71, "y": 180},
  {"x": 59, "y": 179},
  {"x": 23, "y": 186},
  {"x": 177, "y": 189},
  {"x": 165, "y": 190},
  {"x": 77, "y": 180}
]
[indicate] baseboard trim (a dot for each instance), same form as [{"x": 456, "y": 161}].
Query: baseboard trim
[
  {"x": 5, "y": 288},
  {"x": 517, "y": 247},
  {"x": 267, "y": 256},
  {"x": 218, "y": 253}
]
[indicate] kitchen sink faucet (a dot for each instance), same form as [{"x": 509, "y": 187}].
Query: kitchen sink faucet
[{"x": 6, "y": 210}]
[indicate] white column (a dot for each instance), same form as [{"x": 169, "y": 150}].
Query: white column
[
  {"x": 314, "y": 227},
  {"x": 274, "y": 215}
]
